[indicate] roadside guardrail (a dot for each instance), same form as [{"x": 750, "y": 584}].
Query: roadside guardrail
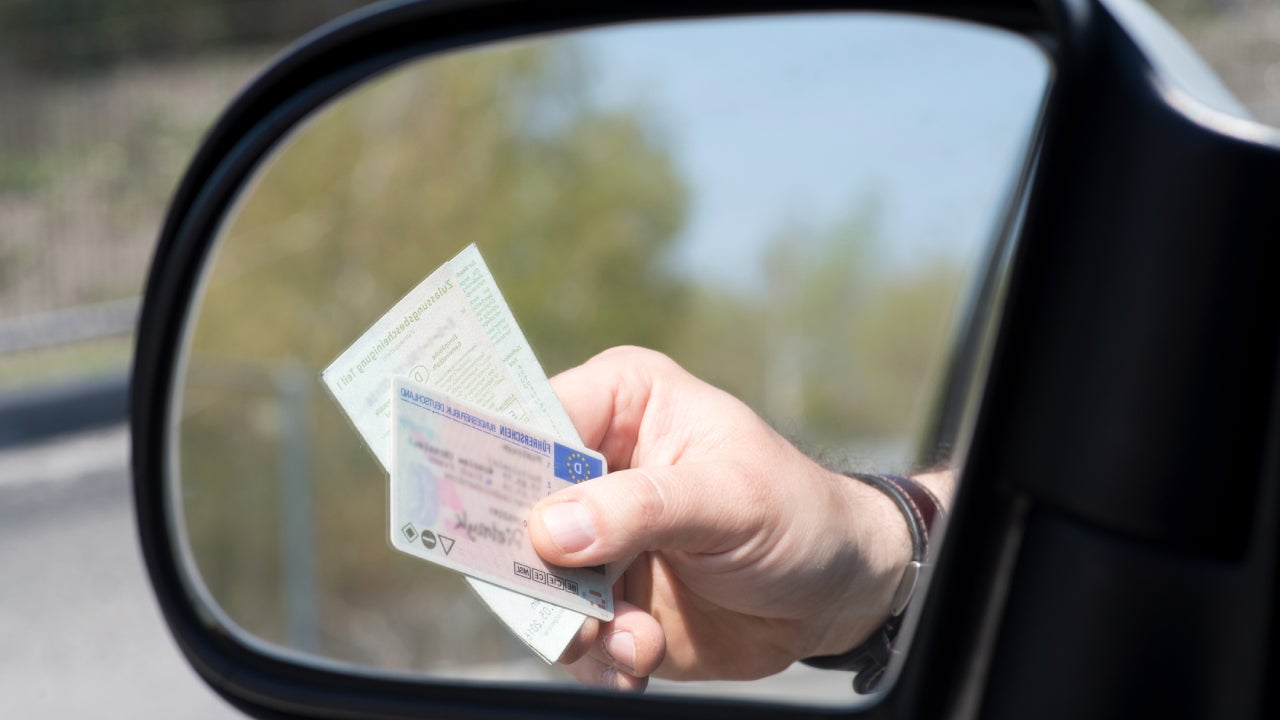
[{"x": 33, "y": 414}]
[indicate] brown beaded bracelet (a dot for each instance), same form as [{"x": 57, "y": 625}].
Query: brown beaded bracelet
[{"x": 921, "y": 508}]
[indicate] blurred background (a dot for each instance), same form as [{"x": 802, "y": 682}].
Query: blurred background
[{"x": 101, "y": 105}]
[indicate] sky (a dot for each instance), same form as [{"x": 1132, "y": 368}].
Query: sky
[{"x": 779, "y": 121}]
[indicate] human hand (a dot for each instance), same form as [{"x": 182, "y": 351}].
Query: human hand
[{"x": 749, "y": 555}]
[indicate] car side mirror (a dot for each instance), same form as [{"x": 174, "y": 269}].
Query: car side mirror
[{"x": 996, "y": 234}]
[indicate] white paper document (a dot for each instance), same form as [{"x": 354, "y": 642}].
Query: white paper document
[{"x": 455, "y": 333}]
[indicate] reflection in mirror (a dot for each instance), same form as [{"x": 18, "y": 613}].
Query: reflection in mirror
[{"x": 793, "y": 208}]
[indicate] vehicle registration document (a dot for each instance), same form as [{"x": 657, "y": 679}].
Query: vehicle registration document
[{"x": 454, "y": 333}]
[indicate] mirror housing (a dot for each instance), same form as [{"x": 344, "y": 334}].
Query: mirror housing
[{"x": 1121, "y": 505}]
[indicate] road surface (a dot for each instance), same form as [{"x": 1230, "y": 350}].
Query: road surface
[{"x": 80, "y": 632}]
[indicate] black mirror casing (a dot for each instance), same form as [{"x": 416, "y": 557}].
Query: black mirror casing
[{"x": 1112, "y": 551}]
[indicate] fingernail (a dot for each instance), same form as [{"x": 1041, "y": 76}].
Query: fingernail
[
  {"x": 621, "y": 648},
  {"x": 570, "y": 525}
]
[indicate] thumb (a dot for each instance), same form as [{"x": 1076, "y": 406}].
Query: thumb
[{"x": 696, "y": 508}]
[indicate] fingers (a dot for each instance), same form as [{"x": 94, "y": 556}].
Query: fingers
[
  {"x": 620, "y": 654},
  {"x": 594, "y": 673},
  {"x": 697, "y": 508},
  {"x": 581, "y": 643},
  {"x": 606, "y": 398}
]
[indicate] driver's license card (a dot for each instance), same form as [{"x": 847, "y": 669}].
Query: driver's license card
[{"x": 462, "y": 483}]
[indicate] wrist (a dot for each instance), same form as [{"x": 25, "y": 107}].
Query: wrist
[
  {"x": 875, "y": 550},
  {"x": 918, "y": 505}
]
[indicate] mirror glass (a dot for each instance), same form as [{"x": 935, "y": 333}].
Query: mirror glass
[{"x": 796, "y": 209}]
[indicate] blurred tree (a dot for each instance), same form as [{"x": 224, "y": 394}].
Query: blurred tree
[{"x": 839, "y": 346}]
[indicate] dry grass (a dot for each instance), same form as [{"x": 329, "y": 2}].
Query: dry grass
[{"x": 88, "y": 166}]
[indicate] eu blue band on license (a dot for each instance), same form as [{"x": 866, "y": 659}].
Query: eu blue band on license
[{"x": 576, "y": 466}]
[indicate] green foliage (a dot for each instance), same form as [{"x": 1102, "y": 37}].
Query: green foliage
[
  {"x": 23, "y": 176},
  {"x": 838, "y": 350}
]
